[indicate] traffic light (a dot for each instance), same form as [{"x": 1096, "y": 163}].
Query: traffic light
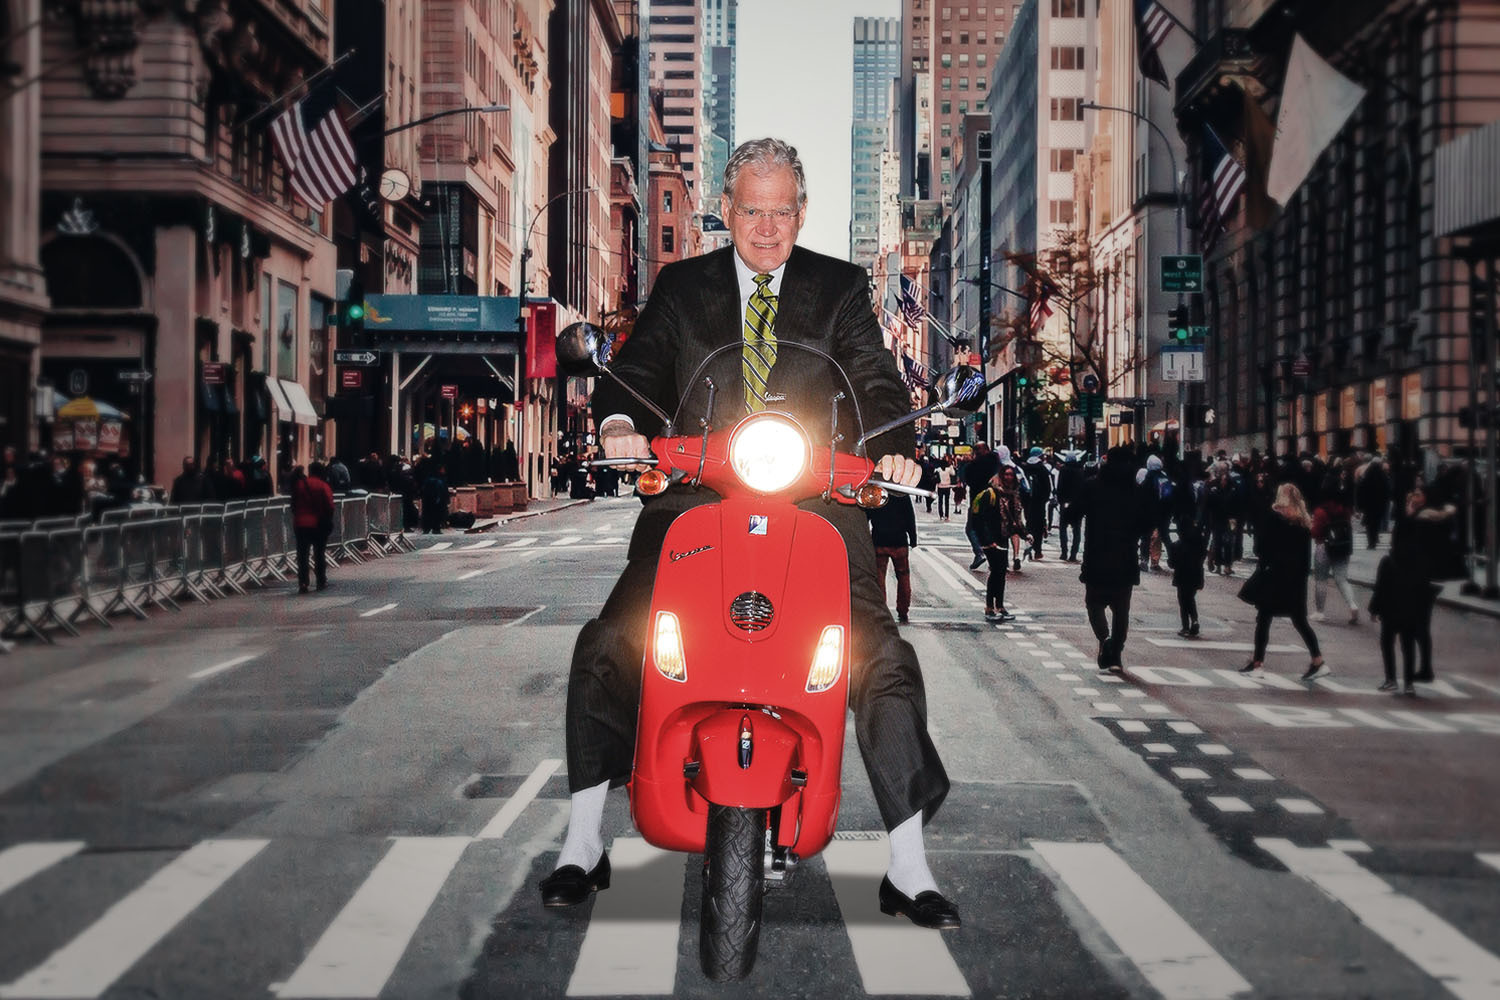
[
  {"x": 1023, "y": 381},
  {"x": 1199, "y": 415},
  {"x": 1179, "y": 325},
  {"x": 349, "y": 311}
]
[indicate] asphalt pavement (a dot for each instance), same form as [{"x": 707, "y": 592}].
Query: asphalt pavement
[{"x": 354, "y": 794}]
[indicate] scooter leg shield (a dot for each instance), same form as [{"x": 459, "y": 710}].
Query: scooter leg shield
[{"x": 745, "y": 758}]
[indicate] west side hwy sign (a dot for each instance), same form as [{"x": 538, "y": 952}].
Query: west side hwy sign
[{"x": 1182, "y": 273}]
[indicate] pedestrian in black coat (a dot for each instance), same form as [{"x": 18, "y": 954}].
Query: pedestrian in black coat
[
  {"x": 1114, "y": 520},
  {"x": 893, "y": 529},
  {"x": 1404, "y": 593},
  {"x": 1186, "y": 556},
  {"x": 1278, "y": 588},
  {"x": 1372, "y": 497}
]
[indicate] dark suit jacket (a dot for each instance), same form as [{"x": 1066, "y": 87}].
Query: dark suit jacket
[{"x": 695, "y": 308}]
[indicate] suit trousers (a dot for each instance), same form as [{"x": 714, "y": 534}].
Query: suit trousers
[{"x": 886, "y": 690}]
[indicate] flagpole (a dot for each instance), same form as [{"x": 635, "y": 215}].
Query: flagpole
[
  {"x": 1179, "y": 22},
  {"x": 306, "y": 85}
]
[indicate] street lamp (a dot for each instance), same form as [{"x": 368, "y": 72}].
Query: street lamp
[
  {"x": 467, "y": 110},
  {"x": 526, "y": 255}
]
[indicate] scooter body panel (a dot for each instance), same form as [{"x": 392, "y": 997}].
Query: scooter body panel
[{"x": 744, "y": 665}]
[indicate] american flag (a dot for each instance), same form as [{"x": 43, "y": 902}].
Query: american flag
[
  {"x": 1224, "y": 181},
  {"x": 1152, "y": 24},
  {"x": 913, "y": 373},
  {"x": 321, "y": 163},
  {"x": 911, "y": 304}
]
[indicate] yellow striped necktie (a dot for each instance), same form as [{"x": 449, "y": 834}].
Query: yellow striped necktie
[{"x": 760, "y": 343}]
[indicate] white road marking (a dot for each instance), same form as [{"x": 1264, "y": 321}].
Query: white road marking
[
  {"x": 630, "y": 947},
  {"x": 1214, "y": 749},
  {"x": 1133, "y": 726},
  {"x": 219, "y": 668},
  {"x": 893, "y": 956},
  {"x": 1350, "y": 846},
  {"x": 1230, "y": 804},
  {"x": 1438, "y": 949},
  {"x": 1488, "y": 857},
  {"x": 1172, "y": 956},
  {"x": 1086, "y": 692},
  {"x": 1053, "y": 664},
  {"x": 941, "y": 568},
  {"x": 566, "y": 540},
  {"x": 1187, "y": 728},
  {"x": 471, "y": 574},
  {"x": 1301, "y": 807},
  {"x": 1242, "y": 647},
  {"x": 19, "y": 863},
  {"x": 517, "y": 803},
  {"x": 440, "y": 546},
  {"x": 1254, "y": 774},
  {"x": 519, "y": 543},
  {"x": 1107, "y": 706},
  {"x": 487, "y": 543},
  {"x": 511, "y": 624},
  {"x": 1132, "y": 693},
  {"x": 1067, "y": 677},
  {"x": 375, "y": 611},
  {"x": 360, "y": 949},
  {"x": 1190, "y": 773},
  {"x": 86, "y": 966},
  {"x": 1155, "y": 709},
  {"x": 1162, "y": 748}
]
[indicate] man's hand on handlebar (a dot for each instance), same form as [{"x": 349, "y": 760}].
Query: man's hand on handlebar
[
  {"x": 898, "y": 469},
  {"x": 619, "y": 440}
]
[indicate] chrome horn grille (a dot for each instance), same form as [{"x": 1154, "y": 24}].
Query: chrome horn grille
[{"x": 751, "y": 611}]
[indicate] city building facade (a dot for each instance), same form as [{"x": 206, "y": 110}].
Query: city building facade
[
  {"x": 877, "y": 62},
  {"x": 719, "y": 37},
  {"x": 677, "y": 69}
]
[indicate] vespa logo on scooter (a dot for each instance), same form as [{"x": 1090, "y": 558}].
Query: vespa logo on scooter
[
  {"x": 676, "y": 556},
  {"x": 759, "y": 523}
]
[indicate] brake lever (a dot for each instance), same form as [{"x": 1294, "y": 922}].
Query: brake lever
[{"x": 912, "y": 491}]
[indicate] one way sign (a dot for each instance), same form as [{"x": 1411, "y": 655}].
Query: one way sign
[{"x": 364, "y": 359}]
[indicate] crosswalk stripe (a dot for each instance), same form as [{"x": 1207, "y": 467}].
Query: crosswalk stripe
[
  {"x": 893, "y": 956},
  {"x": 86, "y": 966},
  {"x": 630, "y": 947},
  {"x": 440, "y": 546},
  {"x": 943, "y": 569},
  {"x": 1169, "y": 953},
  {"x": 517, "y": 803},
  {"x": 519, "y": 543},
  {"x": 487, "y": 543},
  {"x": 567, "y": 540},
  {"x": 19, "y": 863},
  {"x": 360, "y": 949},
  {"x": 1491, "y": 859},
  {"x": 1437, "y": 947}
]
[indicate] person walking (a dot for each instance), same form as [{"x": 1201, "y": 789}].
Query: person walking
[
  {"x": 945, "y": 488},
  {"x": 1418, "y": 540},
  {"x": 434, "y": 498},
  {"x": 1185, "y": 555},
  {"x": 1278, "y": 587},
  {"x": 1070, "y": 487},
  {"x": 998, "y": 516},
  {"x": 1373, "y": 497},
  {"x": 1039, "y": 475},
  {"x": 893, "y": 529},
  {"x": 312, "y": 522},
  {"x": 1333, "y": 544},
  {"x": 1114, "y": 518}
]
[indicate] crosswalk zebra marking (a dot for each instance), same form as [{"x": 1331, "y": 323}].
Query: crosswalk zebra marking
[
  {"x": 1172, "y": 956},
  {"x": 360, "y": 949},
  {"x": 942, "y": 568},
  {"x": 517, "y": 803},
  {"x": 1434, "y": 945},
  {"x": 1491, "y": 859},
  {"x": 86, "y": 966},
  {"x": 485, "y": 544},
  {"x": 630, "y": 947},
  {"x": 519, "y": 543},
  {"x": 893, "y": 956},
  {"x": 21, "y": 862},
  {"x": 440, "y": 546},
  {"x": 566, "y": 540}
]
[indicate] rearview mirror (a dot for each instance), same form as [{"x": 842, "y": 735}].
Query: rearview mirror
[
  {"x": 961, "y": 389},
  {"x": 583, "y": 350}
]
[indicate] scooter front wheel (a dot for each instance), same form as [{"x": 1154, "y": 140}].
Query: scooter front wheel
[{"x": 733, "y": 883}]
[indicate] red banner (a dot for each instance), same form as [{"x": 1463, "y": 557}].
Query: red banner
[{"x": 541, "y": 339}]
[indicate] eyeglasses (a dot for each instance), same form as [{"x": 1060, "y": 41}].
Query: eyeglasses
[{"x": 780, "y": 216}]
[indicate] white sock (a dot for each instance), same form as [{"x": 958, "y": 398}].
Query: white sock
[
  {"x": 584, "y": 844},
  {"x": 908, "y": 871}
]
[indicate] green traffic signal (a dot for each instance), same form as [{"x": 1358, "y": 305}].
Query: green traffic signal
[
  {"x": 1022, "y": 381},
  {"x": 356, "y": 311}
]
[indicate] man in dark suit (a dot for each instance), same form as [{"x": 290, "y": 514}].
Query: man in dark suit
[{"x": 696, "y": 306}]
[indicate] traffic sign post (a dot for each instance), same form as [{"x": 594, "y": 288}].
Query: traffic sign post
[
  {"x": 134, "y": 375},
  {"x": 351, "y": 378},
  {"x": 365, "y": 359},
  {"x": 450, "y": 392},
  {"x": 213, "y": 373},
  {"x": 1182, "y": 273},
  {"x": 1182, "y": 364}
]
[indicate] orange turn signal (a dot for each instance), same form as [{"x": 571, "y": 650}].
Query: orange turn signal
[
  {"x": 652, "y": 482},
  {"x": 871, "y": 496}
]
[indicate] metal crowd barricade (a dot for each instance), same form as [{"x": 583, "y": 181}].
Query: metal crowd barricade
[
  {"x": 10, "y": 576},
  {"x": 257, "y": 565},
  {"x": 187, "y": 576},
  {"x": 166, "y": 562},
  {"x": 39, "y": 588},
  {"x": 348, "y": 528},
  {"x": 281, "y": 543},
  {"x": 74, "y": 578},
  {"x": 232, "y": 574},
  {"x": 379, "y": 534}
]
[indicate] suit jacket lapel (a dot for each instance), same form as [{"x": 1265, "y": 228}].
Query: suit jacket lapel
[
  {"x": 793, "y": 301},
  {"x": 721, "y": 301}
]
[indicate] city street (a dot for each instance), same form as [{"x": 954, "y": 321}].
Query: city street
[{"x": 355, "y": 793}]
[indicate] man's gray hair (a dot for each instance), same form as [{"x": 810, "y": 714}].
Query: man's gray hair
[{"x": 761, "y": 155}]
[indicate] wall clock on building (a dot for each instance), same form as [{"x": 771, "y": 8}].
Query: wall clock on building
[{"x": 394, "y": 184}]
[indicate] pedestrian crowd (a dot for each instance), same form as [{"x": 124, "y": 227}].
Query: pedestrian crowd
[{"x": 1286, "y": 521}]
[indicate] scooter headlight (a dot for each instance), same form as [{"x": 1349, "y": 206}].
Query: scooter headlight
[
  {"x": 769, "y": 452},
  {"x": 667, "y": 651},
  {"x": 828, "y": 660}
]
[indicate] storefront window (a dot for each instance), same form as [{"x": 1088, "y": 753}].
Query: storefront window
[
  {"x": 286, "y": 330},
  {"x": 265, "y": 322}
]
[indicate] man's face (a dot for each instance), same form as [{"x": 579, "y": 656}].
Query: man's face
[{"x": 764, "y": 242}]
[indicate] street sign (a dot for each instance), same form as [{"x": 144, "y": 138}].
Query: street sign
[
  {"x": 78, "y": 382},
  {"x": 365, "y": 359},
  {"x": 1301, "y": 368},
  {"x": 1140, "y": 402},
  {"x": 134, "y": 375},
  {"x": 450, "y": 392},
  {"x": 1075, "y": 425},
  {"x": 1182, "y": 366},
  {"x": 213, "y": 373},
  {"x": 1091, "y": 404},
  {"x": 1182, "y": 273},
  {"x": 351, "y": 378}
]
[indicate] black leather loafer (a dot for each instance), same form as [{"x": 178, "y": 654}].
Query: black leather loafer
[
  {"x": 929, "y": 909},
  {"x": 571, "y": 885}
]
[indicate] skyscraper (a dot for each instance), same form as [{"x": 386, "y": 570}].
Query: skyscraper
[
  {"x": 677, "y": 53},
  {"x": 718, "y": 95},
  {"x": 877, "y": 61}
]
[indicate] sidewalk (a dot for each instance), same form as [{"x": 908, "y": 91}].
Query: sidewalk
[
  {"x": 1363, "y": 562},
  {"x": 533, "y": 509}
]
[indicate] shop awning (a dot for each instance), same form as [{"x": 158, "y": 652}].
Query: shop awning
[
  {"x": 302, "y": 408},
  {"x": 279, "y": 402}
]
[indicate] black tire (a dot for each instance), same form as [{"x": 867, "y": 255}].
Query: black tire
[{"x": 733, "y": 883}]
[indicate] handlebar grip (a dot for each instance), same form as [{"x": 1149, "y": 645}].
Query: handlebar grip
[
  {"x": 913, "y": 491},
  {"x": 601, "y": 463}
]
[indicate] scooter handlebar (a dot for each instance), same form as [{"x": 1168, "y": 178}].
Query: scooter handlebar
[
  {"x": 911, "y": 491},
  {"x": 605, "y": 463}
]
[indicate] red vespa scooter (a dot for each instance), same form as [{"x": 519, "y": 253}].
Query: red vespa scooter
[{"x": 740, "y": 739}]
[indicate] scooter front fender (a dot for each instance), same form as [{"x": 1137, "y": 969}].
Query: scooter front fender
[{"x": 753, "y": 772}]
